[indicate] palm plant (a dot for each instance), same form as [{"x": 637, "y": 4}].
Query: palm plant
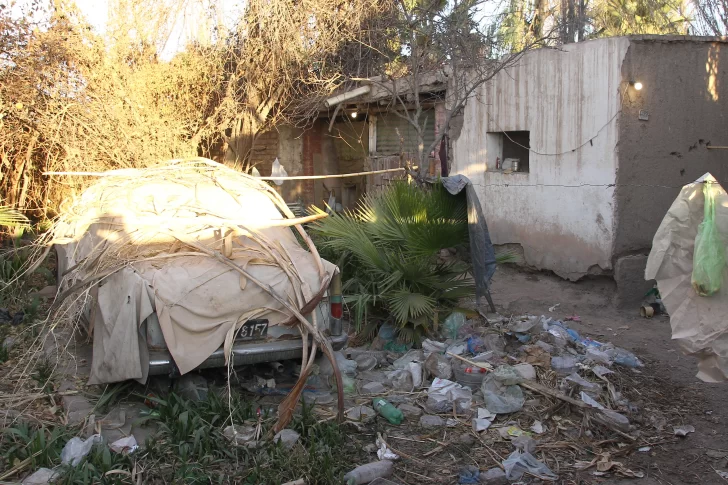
[
  {"x": 388, "y": 251},
  {"x": 11, "y": 217}
]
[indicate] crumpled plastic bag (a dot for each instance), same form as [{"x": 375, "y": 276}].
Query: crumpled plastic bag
[
  {"x": 77, "y": 448},
  {"x": 443, "y": 393},
  {"x": 277, "y": 170},
  {"x": 507, "y": 375},
  {"x": 519, "y": 463},
  {"x": 499, "y": 398},
  {"x": 125, "y": 445},
  {"x": 709, "y": 254},
  {"x": 42, "y": 476},
  {"x": 452, "y": 324}
]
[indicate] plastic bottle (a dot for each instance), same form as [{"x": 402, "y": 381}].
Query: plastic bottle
[
  {"x": 625, "y": 358},
  {"x": 387, "y": 410},
  {"x": 369, "y": 472}
]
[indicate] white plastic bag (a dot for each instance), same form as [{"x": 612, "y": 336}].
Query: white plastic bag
[
  {"x": 77, "y": 448},
  {"x": 277, "y": 170}
]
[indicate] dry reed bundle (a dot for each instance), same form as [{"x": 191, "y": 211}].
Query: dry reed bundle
[{"x": 184, "y": 227}]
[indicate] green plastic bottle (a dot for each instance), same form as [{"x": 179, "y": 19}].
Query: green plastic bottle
[{"x": 387, "y": 410}]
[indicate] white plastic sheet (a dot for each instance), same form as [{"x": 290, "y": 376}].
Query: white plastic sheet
[{"x": 699, "y": 324}]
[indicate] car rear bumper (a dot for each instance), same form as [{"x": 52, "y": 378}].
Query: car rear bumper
[{"x": 244, "y": 353}]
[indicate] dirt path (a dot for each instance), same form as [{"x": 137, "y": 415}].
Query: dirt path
[{"x": 668, "y": 377}]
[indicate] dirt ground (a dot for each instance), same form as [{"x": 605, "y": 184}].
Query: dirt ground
[{"x": 668, "y": 377}]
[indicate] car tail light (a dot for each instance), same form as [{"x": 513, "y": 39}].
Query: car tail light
[{"x": 337, "y": 310}]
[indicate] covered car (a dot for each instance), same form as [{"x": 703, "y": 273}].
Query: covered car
[{"x": 191, "y": 265}]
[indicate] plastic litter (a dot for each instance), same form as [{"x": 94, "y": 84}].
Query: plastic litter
[
  {"x": 443, "y": 393},
  {"x": 545, "y": 346},
  {"x": 42, "y": 476},
  {"x": 346, "y": 366},
  {"x": 524, "y": 443},
  {"x": 287, "y": 437},
  {"x": 683, "y": 430},
  {"x": 588, "y": 386},
  {"x": 519, "y": 463},
  {"x": 362, "y": 414},
  {"x": 558, "y": 336},
  {"x": 475, "y": 345},
  {"x": 430, "y": 346},
  {"x": 613, "y": 419},
  {"x": 277, "y": 170},
  {"x": 598, "y": 356},
  {"x": 452, "y": 324},
  {"x": 415, "y": 370},
  {"x": 397, "y": 348},
  {"x": 369, "y": 472},
  {"x": 526, "y": 371},
  {"x": 77, "y": 448},
  {"x": 401, "y": 380},
  {"x": 563, "y": 366},
  {"x": 480, "y": 424},
  {"x": 373, "y": 388},
  {"x": 524, "y": 326},
  {"x": 484, "y": 413},
  {"x": 456, "y": 349},
  {"x": 590, "y": 401},
  {"x": 349, "y": 384},
  {"x": 387, "y": 410},
  {"x": 537, "y": 427},
  {"x": 601, "y": 371},
  {"x": 507, "y": 375},
  {"x": 387, "y": 332},
  {"x": 409, "y": 410},
  {"x": 469, "y": 474},
  {"x": 430, "y": 421},
  {"x": 383, "y": 452},
  {"x": 625, "y": 358},
  {"x": 499, "y": 398},
  {"x": 411, "y": 356},
  {"x": 512, "y": 432},
  {"x": 494, "y": 342},
  {"x": 438, "y": 366},
  {"x": 125, "y": 445},
  {"x": 365, "y": 362},
  {"x": 494, "y": 476},
  {"x": 709, "y": 253}
]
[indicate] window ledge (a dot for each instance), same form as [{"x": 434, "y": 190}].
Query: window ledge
[{"x": 506, "y": 172}]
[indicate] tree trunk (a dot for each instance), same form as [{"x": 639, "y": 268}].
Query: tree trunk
[
  {"x": 18, "y": 175},
  {"x": 241, "y": 141}
]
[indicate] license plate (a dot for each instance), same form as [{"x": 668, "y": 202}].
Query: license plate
[{"x": 253, "y": 330}]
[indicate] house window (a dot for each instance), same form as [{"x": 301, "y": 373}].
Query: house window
[{"x": 508, "y": 151}]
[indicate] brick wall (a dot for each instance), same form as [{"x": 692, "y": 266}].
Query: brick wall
[{"x": 265, "y": 151}]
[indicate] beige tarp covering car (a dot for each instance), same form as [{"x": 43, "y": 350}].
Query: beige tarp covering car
[
  {"x": 162, "y": 240},
  {"x": 699, "y": 323}
]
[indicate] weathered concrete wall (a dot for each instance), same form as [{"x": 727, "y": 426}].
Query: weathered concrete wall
[
  {"x": 685, "y": 95},
  {"x": 561, "y": 212}
]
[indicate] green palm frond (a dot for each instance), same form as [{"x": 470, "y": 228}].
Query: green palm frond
[
  {"x": 406, "y": 306},
  {"x": 11, "y": 217},
  {"x": 390, "y": 245}
]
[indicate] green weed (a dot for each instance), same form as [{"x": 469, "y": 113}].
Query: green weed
[{"x": 190, "y": 448}]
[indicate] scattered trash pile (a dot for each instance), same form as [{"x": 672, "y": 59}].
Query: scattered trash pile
[{"x": 531, "y": 384}]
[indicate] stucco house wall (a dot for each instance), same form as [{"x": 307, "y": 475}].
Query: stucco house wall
[
  {"x": 685, "y": 101},
  {"x": 562, "y": 210}
]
